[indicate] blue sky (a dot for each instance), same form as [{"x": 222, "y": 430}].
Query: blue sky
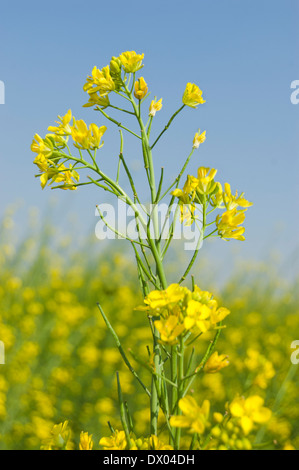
[{"x": 242, "y": 54}]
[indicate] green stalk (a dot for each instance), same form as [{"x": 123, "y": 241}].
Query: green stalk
[
  {"x": 167, "y": 125},
  {"x": 181, "y": 388},
  {"x": 123, "y": 414},
  {"x": 120, "y": 348}
]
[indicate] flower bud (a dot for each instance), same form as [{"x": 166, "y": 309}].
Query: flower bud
[
  {"x": 154, "y": 107},
  {"x": 199, "y": 139},
  {"x": 141, "y": 88},
  {"x": 215, "y": 363},
  {"x": 115, "y": 67}
]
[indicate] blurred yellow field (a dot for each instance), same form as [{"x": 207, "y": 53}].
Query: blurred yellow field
[{"x": 60, "y": 358}]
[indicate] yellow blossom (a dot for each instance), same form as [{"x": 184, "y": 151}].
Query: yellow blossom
[
  {"x": 63, "y": 127},
  {"x": 231, "y": 202},
  {"x": 60, "y": 174},
  {"x": 141, "y": 88},
  {"x": 192, "y": 96},
  {"x": 59, "y": 438},
  {"x": 215, "y": 363},
  {"x": 197, "y": 314},
  {"x": 42, "y": 146},
  {"x": 187, "y": 208},
  {"x": 228, "y": 222},
  {"x": 115, "y": 442},
  {"x": 169, "y": 329},
  {"x": 86, "y": 442},
  {"x": 204, "y": 297},
  {"x": 194, "y": 417},
  {"x": 87, "y": 138},
  {"x": 155, "y": 443},
  {"x": 250, "y": 411},
  {"x": 41, "y": 162},
  {"x": 217, "y": 196},
  {"x": 190, "y": 185},
  {"x": 131, "y": 61},
  {"x": 154, "y": 107},
  {"x": 100, "y": 81},
  {"x": 165, "y": 298},
  {"x": 205, "y": 177},
  {"x": 218, "y": 314},
  {"x": 97, "y": 100},
  {"x": 199, "y": 138}
]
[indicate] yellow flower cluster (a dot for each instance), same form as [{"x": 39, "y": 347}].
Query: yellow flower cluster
[
  {"x": 181, "y": 310},
  {"x": 204, "y": 189},
  {"x": 118, "y": 441},
  {"x": 103, "y": 81},
  {"x": 50, "y": 158},
  {"x": 108, "y": 79}
]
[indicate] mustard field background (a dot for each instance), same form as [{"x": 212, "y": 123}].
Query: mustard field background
[{"x": 61, "y": 360}]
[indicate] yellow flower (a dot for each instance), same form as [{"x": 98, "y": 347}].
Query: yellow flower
[
  {"x": 197, "y": 314},
  {"x": 87, "y": 138},
  {"x": 100, "y": 81},
  {"x": 141, "y": 88},
  {"x": 41, "y": 161},
  {"x": 218, "y": 314},
  {"x": 59, "y": 438},
  {"x": 194, "y": 417},
  {"x": 154, "y": 107},
  {"x": 96, "y": 134},
  {"x": 190, "y": 185},
  {"x": 156, "y": 444},
  {"x": 86, "y": 442},
  {"x": 231, "y": 202},
  {"x": 250, "y": 411},
  {"x": 215, "y": 363},
  {"x": 42, "y": 146},
  {"x": 97, "y": 100},
  {"x": 60, "y": 174},
  {"x": 217, "y": 197},
  {"x": 227, "y": 224},
  {"x": 63, "y": 127},
  {"x": 131, "y": 61},
  {"x": 199, "y": 139},
  {"x": 203, "y": 312},
  {"x": 258, "y": 363},
  {"x": 115, "y": 442},
  {"x": 165, "y": 298},
  {"x": 205, "y": 177},
  {"x": 192, "y": 96},
  {"x": 169, "y": 329},
  {"x": 186, "y": 196},
  {"x": 187, "y": 208},
  {"x": 204, "y": 297}
]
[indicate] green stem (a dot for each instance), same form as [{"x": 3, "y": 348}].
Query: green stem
[
  {"x": 180, "y": 388},
  {"x": 120, "y": 348},
  {"x": 167, "y": 125}
]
